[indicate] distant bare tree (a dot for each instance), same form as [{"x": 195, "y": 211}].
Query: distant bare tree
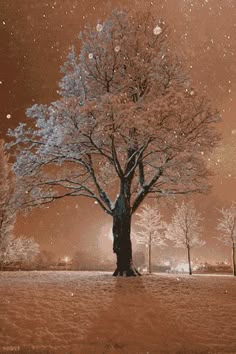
[
  {"x": 127, "y": 118},
  {"x": 227, "y": 227},
  {"x": 152, "y": 230},
  {"x": 185, "y": 229}
]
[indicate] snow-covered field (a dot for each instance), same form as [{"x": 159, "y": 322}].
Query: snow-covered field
[{"x": 92, "y": 312}]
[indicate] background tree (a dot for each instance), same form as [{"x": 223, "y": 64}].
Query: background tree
[
  {"x": 20, "y": 250},
  {"x": 127, "y": 125},
  {"x": 7, "y": 210},
  {"x": 152, "y": 230},
  {"x": 185, "y": 229},
  {"x": 227, "y": 227},
  {"x": 12, "y": 249}
]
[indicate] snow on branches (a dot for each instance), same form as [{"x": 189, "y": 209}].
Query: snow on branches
[
  {"x": 227, "y": 225},
  {"x": 152, "y": 226},
  {"x": 11, "y": 249},
  {"x": 152, "y": 230},
  {"x": 185, "y": 227},
  {"x": 19, "y": 250}
]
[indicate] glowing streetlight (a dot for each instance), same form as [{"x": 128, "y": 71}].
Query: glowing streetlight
[{"x": 66, "y": 259}]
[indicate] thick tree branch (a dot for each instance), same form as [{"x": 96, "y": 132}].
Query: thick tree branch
[
  {"x": 145, "y": 188},
  {"x": 115, "y": 159},
  {"x": 101, "y": 192},
  {"x": 135, "y": 158}
]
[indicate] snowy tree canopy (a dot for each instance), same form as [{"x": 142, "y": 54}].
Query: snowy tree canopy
[
  {"x": 227, "y": 225},
  {"x": 152, "y": 226},
  {"x": 126, "y": 117},
  {"x": 185, "y": 227}
]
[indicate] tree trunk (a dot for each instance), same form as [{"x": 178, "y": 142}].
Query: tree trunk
[
  {"x": 189, "y": 261},
  {"x": 150, "y": 254},
  {"x": 234, "y": 260},
  {"x": 121, "y": 240}
]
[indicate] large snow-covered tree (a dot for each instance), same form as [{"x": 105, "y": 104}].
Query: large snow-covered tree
[
  {"x": 152, "y": 230},
  {"x": 7, "y": 210},
  {"x": 128, "y": 124},
  {"x": 227, "y": 227},
  {"x": 185, "y": 229}
]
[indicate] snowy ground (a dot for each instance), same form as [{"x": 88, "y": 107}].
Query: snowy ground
[{"x": 92, "y": 312}]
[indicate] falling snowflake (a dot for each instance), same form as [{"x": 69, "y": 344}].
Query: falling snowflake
[
  {"x": 8, "y": 116},
  {"x": 192, "y": 93},
  {"x": 99, "y": 27},
  {"x": 90, "y": 55},
  {"x": 157, "y": 30},
  {"x": 117, "y": 48}
]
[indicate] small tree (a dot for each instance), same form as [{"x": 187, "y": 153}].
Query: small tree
[
  {"x": 11, "y": 249},
  {"x": 127, "y": 125},
  {"x": 227, "y": 227},
  {"x": 152, "y": 234},
  {"x": 7, "y": 209},
  {"x": 19, "y": 250},
  {"x": 185, "y": 229}
]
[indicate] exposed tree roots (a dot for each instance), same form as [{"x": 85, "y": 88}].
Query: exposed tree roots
[{"x": 130, "y": 272}]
